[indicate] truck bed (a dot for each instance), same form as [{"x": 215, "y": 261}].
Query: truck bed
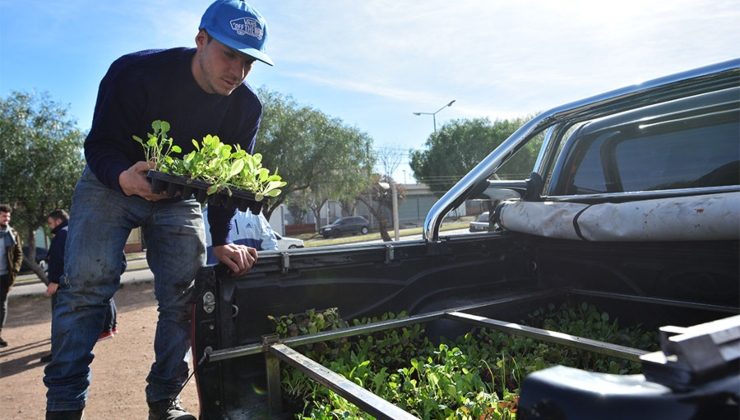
[{"x": 500, "y": 276}]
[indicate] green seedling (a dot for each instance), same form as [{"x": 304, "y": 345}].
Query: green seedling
[
  {"x": 158, "y": 147},
  {"x": 475, "y": 376},
  {"x": 223, "y": 166}
]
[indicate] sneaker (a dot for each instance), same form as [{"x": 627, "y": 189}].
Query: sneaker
[
  {"x": 3, "y": 343},
  {"x": 65, "y": 415},
  {"x": 46, "y": 359},
  {"x": 105, "y": 335},
  {"x": 114, "y": 331},
  {"x": 168, "y": 410}
]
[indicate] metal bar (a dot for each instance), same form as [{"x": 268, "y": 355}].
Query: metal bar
[
  {"x": 272, "y": 370},
  {"x": 252, "y": 349},
  {"x": 641, "y": 195},
  {"x": 220, "y": 355},
  {"x": 693, "y": 82},
  {"x": 248, "y": 350},
  {"x": 657, "y": 301},
  {"x": 364, "y": 399},
  {"x": 595, "y": 346}
]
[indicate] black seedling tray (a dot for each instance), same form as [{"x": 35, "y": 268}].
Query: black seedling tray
[{"x": 182, "y": 186}]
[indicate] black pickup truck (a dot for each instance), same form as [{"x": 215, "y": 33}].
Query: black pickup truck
[{"x": 633, "y": 205}]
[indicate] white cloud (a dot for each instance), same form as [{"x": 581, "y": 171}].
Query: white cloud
[
  {"x": 514, "y": 51},
  {"x": 497, "y": 58}
]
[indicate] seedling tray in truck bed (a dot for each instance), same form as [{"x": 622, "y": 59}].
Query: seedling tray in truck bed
[{"x": 182, "y": 186}]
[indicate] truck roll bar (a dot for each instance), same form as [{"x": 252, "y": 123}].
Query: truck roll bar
[{"x": 693, "y": 82}]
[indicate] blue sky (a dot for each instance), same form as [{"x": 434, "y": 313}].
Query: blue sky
[{"x": 373, "y": 63}]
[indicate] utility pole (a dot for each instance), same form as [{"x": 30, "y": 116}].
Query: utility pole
[{"x": 394, "y": 193}]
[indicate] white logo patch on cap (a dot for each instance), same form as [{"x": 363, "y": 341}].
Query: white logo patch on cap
[{"x": 247, "y": 26}]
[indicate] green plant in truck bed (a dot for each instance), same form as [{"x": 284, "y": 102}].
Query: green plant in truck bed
[{"x": 475, "y": 376}]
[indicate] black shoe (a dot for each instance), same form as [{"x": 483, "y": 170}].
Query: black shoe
[
  {"x": 45, "y": 359},
  {"x": 3, "y": 343},
  {"x": 65, "y": 415},
  {"x": 168, "y": 410}
]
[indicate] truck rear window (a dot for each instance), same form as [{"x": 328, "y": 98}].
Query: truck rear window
[{"x": 636, "y": 159}]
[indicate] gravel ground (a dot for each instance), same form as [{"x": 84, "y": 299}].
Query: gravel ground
[{"x": 119, "y": 369}]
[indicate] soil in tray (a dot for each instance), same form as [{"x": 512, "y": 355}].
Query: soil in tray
[{"x": 182, "y": 186}]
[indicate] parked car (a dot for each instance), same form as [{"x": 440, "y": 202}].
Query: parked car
[
  {"x": 40, "y": 259},
  {"x": 481, "y": 224},
  {"x": 345, "y": 225},
  {"x": 285, "y": 243}
]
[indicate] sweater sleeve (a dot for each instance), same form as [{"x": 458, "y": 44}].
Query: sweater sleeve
[
  {"x": 219, "y": 218},
  {"x": 109, "y": 146},
  {"x": 55, "y": 257}
]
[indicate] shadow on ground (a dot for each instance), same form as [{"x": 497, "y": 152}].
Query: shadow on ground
[{"x": 34, "y": 309}]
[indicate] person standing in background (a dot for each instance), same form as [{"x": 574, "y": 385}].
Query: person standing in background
[
  {"x": 11, "y": 258},
  {"x": 57, "y": 222}
]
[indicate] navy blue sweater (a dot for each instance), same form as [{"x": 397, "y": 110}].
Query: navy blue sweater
[{"x": 159, "y": 85}]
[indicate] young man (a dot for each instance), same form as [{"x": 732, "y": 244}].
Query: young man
[
  {"x": 58, "y": 222},
  {"x": 198, "y": 91},
  {"x": 11, "y": 258}
]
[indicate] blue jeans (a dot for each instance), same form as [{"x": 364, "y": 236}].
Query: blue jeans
[
  {"x": 4, "y": 290},
  {"x": 100, "y": 222},
  {"x": 110, "y": 317}
]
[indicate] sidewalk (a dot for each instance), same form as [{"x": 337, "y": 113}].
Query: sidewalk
[{"x": 137, "y": 271}]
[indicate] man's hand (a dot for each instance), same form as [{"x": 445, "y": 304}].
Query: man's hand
[
  {"x": 133, "y": 181},
  {"x": 51, "y": 288},
  {"x": 238, "y": 258}
]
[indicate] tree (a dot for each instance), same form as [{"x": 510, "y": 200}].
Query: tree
[
  {"x": 388, "y": 160},
  {"x": 379, "y": 199},
  {"x": 460, "y": 145},
  {"x": 297, "y": 203},
  {"x": 40, "y": 161},
  {"x": 311, "y": 150}
]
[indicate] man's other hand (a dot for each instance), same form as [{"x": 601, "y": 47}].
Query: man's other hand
[
  {"x": 133, "y": 181},
  {"x": 238, "y": 258},
  {"x": 51, "y": 288}
]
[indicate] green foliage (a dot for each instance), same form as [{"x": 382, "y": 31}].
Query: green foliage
[
  {"x": 223, "y": 166},
  {"x": 457, "y": 147},
  {"x": 158, "y": 146},
  {"x": 40, "y": 159},
  {"x": 313, "y": 150},
  {"x": 475, "y": 376},
  {"x": 309, "y": 322}
]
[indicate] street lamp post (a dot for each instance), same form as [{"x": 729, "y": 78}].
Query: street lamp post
[{"x": 434, "y": 114}]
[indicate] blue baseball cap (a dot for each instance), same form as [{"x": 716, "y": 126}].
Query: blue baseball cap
[{"x": 237, "y": 25}]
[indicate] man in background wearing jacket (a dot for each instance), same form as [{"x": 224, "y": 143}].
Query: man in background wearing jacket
[{"x": 11, "y": 258}]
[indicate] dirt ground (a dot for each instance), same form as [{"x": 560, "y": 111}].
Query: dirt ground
[{"x": 119, "y": 369}]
